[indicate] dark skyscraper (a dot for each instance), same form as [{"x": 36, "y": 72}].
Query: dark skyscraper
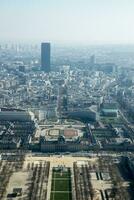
[
  {"x": 45, "y": 57},
  {"x": 92, "y": 60}
]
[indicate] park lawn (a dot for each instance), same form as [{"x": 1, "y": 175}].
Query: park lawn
[
  {"x": 61, "y": 196},
  {"x": 61, "y": 175},
  {"x": 61, "y": 185}
]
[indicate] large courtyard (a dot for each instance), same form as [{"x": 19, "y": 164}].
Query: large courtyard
[{"x": 55, "y": 132}]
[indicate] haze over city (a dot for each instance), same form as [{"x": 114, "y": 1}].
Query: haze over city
[{"x": 73, "y": 21}]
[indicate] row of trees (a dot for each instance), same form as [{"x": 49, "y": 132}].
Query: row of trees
[
  {"x": 38, "y": 181},
  {"x": 83, "y": 185},
  {"x": 6, "y": 170},
  {"x": 119, "y": 189}
]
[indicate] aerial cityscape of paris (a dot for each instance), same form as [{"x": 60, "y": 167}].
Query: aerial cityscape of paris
[{"x": 66, "y": 100}]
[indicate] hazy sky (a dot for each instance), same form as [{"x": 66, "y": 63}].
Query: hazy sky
[{"x": 82, "y": 21}]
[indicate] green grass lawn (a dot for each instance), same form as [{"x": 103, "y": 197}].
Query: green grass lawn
[
  {"x": 61, "y": 175},
  {"x": 61, "y": 185},
  {"x": 61, "y": 196}
]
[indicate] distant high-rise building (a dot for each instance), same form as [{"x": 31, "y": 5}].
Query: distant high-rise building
[
  {"x": 45, "y": 57},
  {"x": 92, "y": 60}
]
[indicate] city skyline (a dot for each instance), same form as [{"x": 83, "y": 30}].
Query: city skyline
[{"x": 92, "y": 22}]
